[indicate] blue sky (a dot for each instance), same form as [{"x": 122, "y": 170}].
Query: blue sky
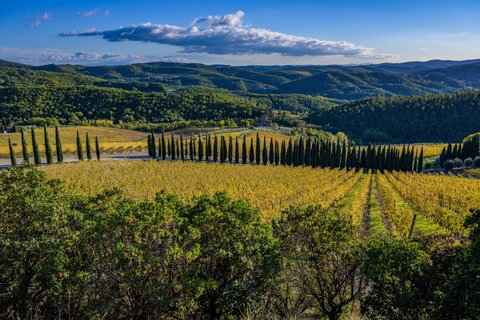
[{"x": 238, "y": 32}]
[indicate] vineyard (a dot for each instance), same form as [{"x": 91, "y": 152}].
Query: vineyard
[{"x": 376, "y": 203}]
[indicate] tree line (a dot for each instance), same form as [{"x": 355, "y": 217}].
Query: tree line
[
  {"x": 294, "y": 152},
  {"x": 66, "y": 256},
  {"x": 456, "y": 155},
  {"x": 37, "y": 159}
]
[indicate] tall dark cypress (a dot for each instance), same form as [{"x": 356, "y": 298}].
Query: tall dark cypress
[
  {"x": 58, "y": 145},
  {"x": 208, "y": 150},
  {"x": 169, "y": 149},
  {"x": 97, "y": 148},
  {"x": 194, "y": 150},
  {"x": 200, "y": 148},
  {"x": 79, "y": 148},
  {"x": 149, "y": 145},
  {"x": 159, "y": 148},
  {"x": 13, "y": 157},
  {"x": 308, "y": 150},
  {"x": 164, "y": 148},
  {"x": 415, "y": 161},
  {"x": 289, "y": 158},
  {"x": 36, "y": 152},
  {"x": 237, "y": 151},
  {"x": 244, "y": 150},
  {"x": 283, "y": 153},
  {"x": 25, "y": 155},
  {"x": 230, "y": 149},
  {"x": 222, "y": 149},
  {"x": 182, "y": 149},
  {"x": 301, "y": 152},
  {"x": 343, "y": 156},
  {"x": 215, "y": 149},
  {"x": 88, "y": 147},
  {"x": 264, "y": 151},
  {"x": 177, "y": 147},
  {"x": 154, "y": 146},
  {"x": 296, "y": 154},
  {"x": 257, "y": 150},
  {"x": 190, "y": 152},
  {"x": 271, "y": 152},
  {"x": 420, "y": 162},
  {"x": 48, "y": 147},
  {"x": 172, "y": 146},
  {"x": 277, "y": 153},
  {"x": 251, "y": 154}
]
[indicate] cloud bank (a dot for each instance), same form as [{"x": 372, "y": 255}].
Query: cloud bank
[{"x": 226, "y": 35}]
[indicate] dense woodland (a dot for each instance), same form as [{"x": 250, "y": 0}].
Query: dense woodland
[{"x": 428, "y": 118}]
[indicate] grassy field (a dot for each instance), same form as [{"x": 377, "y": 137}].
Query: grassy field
[
  {"x": 111, "y": 139},
  {"x": 384, "y": 201}
]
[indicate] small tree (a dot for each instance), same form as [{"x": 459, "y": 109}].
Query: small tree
[
  {"x": 58, "y": 145},
  {"x": 36, "y": 152},
  {"x": 25, "y": 155},
  {"x": 79, "y": 148},
  {"x": 48, "y": 148},
  {"x": 448, "y": 165},
  {"x": 468, "y": 162},
  {"x": 97, "y": 148},
  {"x": 89, "y": 147},
  {"x": 13, "y": 158},
  {"x": 457, "y": 163}
]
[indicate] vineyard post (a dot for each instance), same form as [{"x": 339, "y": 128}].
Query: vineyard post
[{"x": 412, "y": 226}]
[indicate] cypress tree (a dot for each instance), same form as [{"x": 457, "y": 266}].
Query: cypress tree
[
  {"x": 208, "y": 145},
  {"x": 251, "y": 154},
  {"x": 442, "y": 157},
  {"x": 88, "y": 147},
  {"x": 79, "y": 148},
  {"x": 177, "y": 147},
  {"x": 200, "y": 148},
  {"x": 194, "y": 150},
  {"x": 296, "y": 154},
  {"x": 215, "y": 149},
  {"x": 277, "y": 154},
  {"x": 289, "y": 158},
  {"x": 36, "y": 152},
  {"x": 448, "y": 153},
  {"x": 343, "y": 157},
  {"x": 97, "y": 148},
  {"x": 172, "y": 146},
  {"x": 13, "y": 158},
  {"x": 169, "y": 149},
  {"x": 182, "y": 150},
  {"x": 159, "y": 148},
  {"x": 25, "y": 155},
  {"x": 244, "y": 150},
  {"x": 363, "y": 160},
  {"x": 191, "y": 148},
  {"x": 301, "y": 152},
  {"x": 283, "y": 154},
  {"x": 257, "y": 150},
  {"x": 237, "y": 151},
  {"x": 58, "y": 145},
  {"x": 415, "y": 161},
  {"x": 420, "y": 162},
  {"x": 164, "y": 148},
  {"x": 271, "y": 152},
  {"x": 48, "y": 147},
  {"x": 265, "y": 151},
  {"x": 149, "y": 145},
  {"x": 230, "y": 149},
  {"x": 222, "y": 149},
  {"x": 154, "y": 146},
  {"x": 308, "y": 151}
]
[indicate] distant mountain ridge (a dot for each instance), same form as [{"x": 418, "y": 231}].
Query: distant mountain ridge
[{"x": 336, "y": 82}]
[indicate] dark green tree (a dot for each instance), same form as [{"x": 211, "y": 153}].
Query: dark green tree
[
  {"x": 215, "y": 149},
  {"x": 164, "y": 148},
  {"x": 36, "y": 152},
  {"x": 283, "y": 154},
  {"x": 97, "y": 148},
  {"x": 182, "y": 149},
  {"x": 79, "y": 148},
  {"x": 237, "y": 151},
  {"x": 58, "y": 145},
  {"x": 48, "y": 147},
  {"x": 251, "y": 154},
  {"x": 200, "y": 148},
  {"x": 149, "y": 145},
  {"x": 13, "y": 157},
  {"x": 244, "y": 150},
  {"x": 25, "y": 155},
  {"x": 154, "y": 146},
  {"x": 257, "y": 150},
  {"x": 271, "y": 152},
  {"x": 172, "y": 146},
  {"x": 88, "y": 147},
  {"x": 265, "y": 151},
  {"x": 420, "y": 162}
]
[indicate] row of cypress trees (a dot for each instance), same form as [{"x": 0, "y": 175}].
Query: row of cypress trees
[
  {"x": 37, "y": 160},
  {"x": 469, "y": 149},
  {"x": 298, "y": 152}
]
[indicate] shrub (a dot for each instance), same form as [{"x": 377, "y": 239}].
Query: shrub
[
  {"x": 448, "y": 165},
  {"x": 468, "y": 162},
  {"x": 457, "y": 163},
  {"x": 476, "y": 162}
]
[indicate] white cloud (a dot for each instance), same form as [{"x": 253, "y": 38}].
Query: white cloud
[
  {"x": 88, "y": 13},
  {"x": 226, "y": 34},
  {"x": 41, "y": 19},
  {"x": 107, "y": 12}
]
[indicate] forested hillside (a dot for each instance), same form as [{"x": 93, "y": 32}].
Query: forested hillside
[{"x": 427, "y": 118}]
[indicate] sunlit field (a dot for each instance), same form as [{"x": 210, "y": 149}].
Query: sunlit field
[{"x": 376, "y": 203}]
